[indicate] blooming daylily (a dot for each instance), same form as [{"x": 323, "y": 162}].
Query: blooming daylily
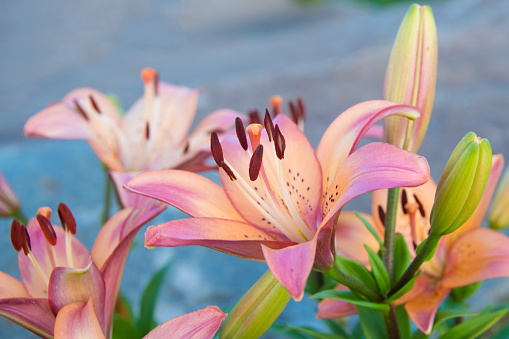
[
  {"x": 56, "y": 269},
  {"x": 467, "y": 255},
  {"x": 9, "y": 202},
  {"x": 280, "y": 199},
  {"x": 78, "y": 320}
]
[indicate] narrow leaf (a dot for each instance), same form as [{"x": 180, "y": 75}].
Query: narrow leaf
[
  {"x": 402, "y": 258},
  {"x": 371, "y": 230},
  {"x": 379, "y": 271},
  {"x": 372, "y": 324},
  {"x": 402, "y": 291},
  {"x": 404, "y": 326},
  {"x": 351, "y": 298},
  {"x": 356, "y": 270},
  {"x": 316, "y": 334},
  {"x": 474, "y": 326}
]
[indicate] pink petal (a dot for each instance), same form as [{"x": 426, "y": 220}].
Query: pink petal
[
  {"x": 371, "y": 167},
  {"x": 201, "y": 324},
  {"x": 477, "y": 255},
  {"x": 127, "y": 198},
  {"x": 291, "y": 265},
  {"x": 189, "y": 192},
  {"x": 78, "y": 320},
  {"x": 423, "y": 308},
  {"x": 32, "y": 314},
  {"x": 70, "y": 285},
  {"x": 344, "y": 134},
  {"x": 11, "y": 287},
  {"x": 228, "y": 236},
  {"x": 334, "y": 308}
]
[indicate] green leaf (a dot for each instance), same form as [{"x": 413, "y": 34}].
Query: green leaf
[
  {"x": 286, "y": 331},
  {"x": 316, "y": 334},
  {"x": 402, "y": 257},
  {"x": 405, "y": 329},
  {"x": 474, "y": 326},
  {"x": 336, "y": 328},
  {"x": 351, "y": 298},
  {"x": 460, "y": 294},
  {"x": 407, "y": 287},
  {"x": 124, "y": 329},
  {"x": 371, "y": 230},
  {"x": 379, "y": 271},
  {"x": 149, "y": 299},
  {"x": 372, "y": 323},
  {"x": 356, "y": 270}
]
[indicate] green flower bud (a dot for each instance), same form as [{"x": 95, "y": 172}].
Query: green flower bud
[
  {"x": 257, "y": 309},
  {"x": 499, "y": 214},
  {"x": 461, "y": 185}
]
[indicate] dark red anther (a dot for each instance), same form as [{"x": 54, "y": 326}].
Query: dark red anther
[
  {"x": 421, "y": 208},
  {"x": 216, "y": 150},
  {"x": 302, "y": 108},
  {"x": 80, "y": 110},
  {"x": 269, "y": 125},
  {"x": 25, "y": 240},
  {"x": 47, "y": 229},
  {"x": 94, "y": 104},
  {"x": 254, "y": 117},
  {"x": 381, "y": 214},
  {"x": 279, "y": 143},
  {"x": 229, "y": 171},
  {"x": 186, "y": 147},
  {"x": 255, "y": 164},
  {"x": 404, "y": 200},
  {"x": 156, "y": 84},
  {"x": 294, "y": 112},
  {"x": 147, "y": 130},
  {"x": 66, "y": 218},
  {"x": 16, "y": 235},
  {"x": 241, "y": 133}
]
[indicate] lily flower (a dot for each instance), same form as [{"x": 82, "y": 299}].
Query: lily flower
[
  {"x": 9, "y": 202},
  {"x": 280, "y": 199},
  {"x": 57, "y": 270},
  {"x": 467, "y": 255}
]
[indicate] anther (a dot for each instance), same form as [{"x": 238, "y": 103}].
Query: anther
[
  {"x": 228, "y": 171},
  {"x": 80, "y": 110},
  {"x": 66, "y": 218},
  {"x": 293, "y": 112},
  {"x": 269, "y": 126},
  {"x": 404, "y": 201},
  {"x": 241, "y": 133},
  {"x": 254, "y": 117},
  {"x": 255, "y": 164},
  {"x": 279, "y": 143},
  {"x": 302, "y": 108},
  {"x": 381, "y": 214},
  {"x": 147, "y": 130},
  {"x": 47, "y": 229},
  {"x": 216, "y": 150},
  {"x": 16, "y": 235},
  {"x": 94, "y": 104},
  {"x": 186, "y": 147},
  {"x": 25, "y": 240},
  {"x": 421, "y": 208}
]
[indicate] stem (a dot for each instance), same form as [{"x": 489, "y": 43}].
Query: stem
[
  {"x": 353, "y": 284},
  {"x": 390, "y": 226},
  {"x": 391, "y": 323},
  {"x": 429, "y": 247},
  {"x": 107, "y": 198}
]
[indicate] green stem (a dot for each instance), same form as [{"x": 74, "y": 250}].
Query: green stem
[
  {"x": 108, "y": 187},
  {"x": 391, "y": 323},
  {"x": 428, "y": 248},
  {"x": 20, "y": 216},
  {"x": 390, "y": 227},
  {"x": 354, "y": 284}
]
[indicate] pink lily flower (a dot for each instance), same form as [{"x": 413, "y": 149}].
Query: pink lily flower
[
  {"x": 280, "y": 199},
  {"x": 56, "y": 269},
  {"x": 469, "y": 254},
  {"x": 9, "y": 202},
  {"x": 78, "y": 320}
]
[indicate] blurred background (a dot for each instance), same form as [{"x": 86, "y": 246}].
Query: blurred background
[{"x": 239, "y": 53}]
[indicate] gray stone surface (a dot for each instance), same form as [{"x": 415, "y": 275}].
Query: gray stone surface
[{"x": 239, "y": 54}]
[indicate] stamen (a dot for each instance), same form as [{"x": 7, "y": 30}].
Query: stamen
[
  {"x": 229, "y": 171},
  {"x": 27, "y": 249},
  {"x": 255, "y": 164},
  {"x": 216, "y": 150},
  {"x": 186, "y": 148},
  {"x": 147, "y": 130},
  {"x": 269, "y": 126},
  {"x": 421, "y": 207},
  {"x": 69, "y": 225},
  {"x": 275, "y": 102},
  {"x": 254, "y": 117},
  {"x": 94, "y": 104},
  {"x": 302, "y": 108},
  {"x": 381, "y": 214},
  {"x": 80, "y": 110},
  {"x": 16, "y": 235},
  {"x": 47, "y": 229},
  {"x": 404, "y": 201},
  {"x": 279, "y": 143},
  {"x": 293, "y": 112},
  {"x": 241, "y": 133},
  {"x": 25, "y": 240}
]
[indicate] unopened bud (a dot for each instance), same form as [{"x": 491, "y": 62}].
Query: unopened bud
[
  {"x": 499, "y": 214},
  {"x": 461, "y": 185},
  {"x": 9, "y": 203}
]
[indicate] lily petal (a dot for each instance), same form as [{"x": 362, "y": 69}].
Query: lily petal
[
  {"x": 32, "y": 314},
  {"x": 229, "y": 236},
  {"x": 11, "y": 287},
  {"x": 78, "y": 320},
  {"x": 477, "y": 255},
  {"x": 201, "y": 324},
  {"x": 189, "y": 192},
  {"x": 334, "y": 308},
  {"x": 127, "y": 198},
  {"x": 291, "y": 265}
]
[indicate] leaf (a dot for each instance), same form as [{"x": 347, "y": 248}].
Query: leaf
[
  {"x": 285, "y": 330},
  {"x": 351, "y": 298},
  {"x": 460, "y": 294},
  {"x": 474, "y": 326},
  {"x": 379, "y": 271},
  {"x": 336, "y": 328},
  {"x": 316, "y": 334},
  {"x": 404, "y": 327},
  {"x": 124, "y": 329},
  {"x": 356, "y": 270},
  {"x": 149, "y": 299},
  {"x": 372, "y": 324},
  {"x": 402, "y": 291},
  {"x": 401, "y": 257},
  {"x": 371, "y": 230}
]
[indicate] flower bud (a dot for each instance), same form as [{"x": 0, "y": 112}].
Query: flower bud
[
  {"x": 499, "y": 214},
  {"x": 411, "y": 76},
  {"x": 9, "y": 203},
  {"x": 257, "y": 309},
  {"x": 461, "y": 185}
]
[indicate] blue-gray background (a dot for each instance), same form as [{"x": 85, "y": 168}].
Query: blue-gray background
[{"x": 239, "y": 53}]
